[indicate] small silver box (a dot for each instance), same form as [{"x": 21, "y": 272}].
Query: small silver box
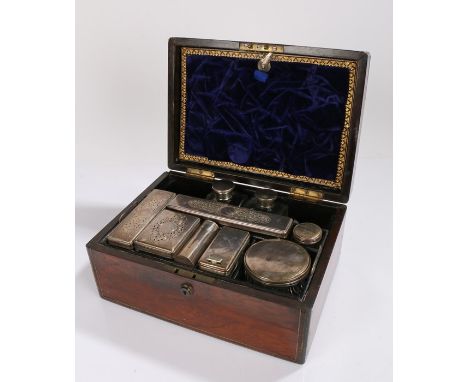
[
  {"x": 237, "y": 217},
  {"x": 128, "y": 229},
  {"x": 223, "y": 253},
  {"x": 166, "y": 233}
]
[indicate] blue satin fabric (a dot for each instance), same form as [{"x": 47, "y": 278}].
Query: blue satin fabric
[{"x": 292, "y": 122}]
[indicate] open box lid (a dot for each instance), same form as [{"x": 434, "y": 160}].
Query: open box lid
[{"x": 289, "y": 122}]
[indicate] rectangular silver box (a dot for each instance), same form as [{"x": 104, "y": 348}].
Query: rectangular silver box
[
  {"x": 166, "y": 233},
  {"x": 128, "y": 229},
  {"x": 223, "y": 253},
  {"x": 237, "y": 217}
]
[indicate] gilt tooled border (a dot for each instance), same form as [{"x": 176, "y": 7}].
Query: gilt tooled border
[{"x": 351, "y": 65}]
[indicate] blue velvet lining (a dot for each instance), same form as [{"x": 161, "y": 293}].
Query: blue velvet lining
[{"x": 292, "y": 122}]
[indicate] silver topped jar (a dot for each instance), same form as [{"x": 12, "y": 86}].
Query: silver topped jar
[
  {"x": 276, "y": 262},
  {"x": 266, "y": 198},
  {"x": 223, "y": 190},
  {"x": 307, "y": 233}
]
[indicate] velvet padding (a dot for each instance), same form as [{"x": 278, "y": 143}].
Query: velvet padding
[{"x": 291, "y": 122}]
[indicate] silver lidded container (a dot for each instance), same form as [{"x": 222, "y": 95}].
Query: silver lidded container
[
  {"x": 197, "y": 244},
  {"x": 307, "y": 233},
  {"x": 124, "y": 234},
  {"x": 166, "y": 233},
  {"x": 223, "y": 190},
  {"x": 223, "y": 253},
  {"x": 276, "y": 262},
  {"x": 266, "y": 198}
]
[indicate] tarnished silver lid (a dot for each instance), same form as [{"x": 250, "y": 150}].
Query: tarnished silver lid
[
  {"x": 265, "y": 223},
  {"x": 124, "y": 234},
  {"x": 223, "y": 253},
  {"x": 166, "y": 233},
  {"x": 277, "y": 262},
  {"x": 266, "y": 198},
  {"x": 307, "y": 233},
  {"x": 223, "y": 189}
]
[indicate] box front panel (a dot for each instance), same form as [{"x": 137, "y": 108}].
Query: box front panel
[{"x": 261, "y": 325}]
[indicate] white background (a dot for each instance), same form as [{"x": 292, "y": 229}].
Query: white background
[
  {"x": 37, "y": 157},
  {"x": 121, "y": 147}
]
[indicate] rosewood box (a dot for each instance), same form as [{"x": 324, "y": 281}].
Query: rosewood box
[{"x": 263, "y": 116}]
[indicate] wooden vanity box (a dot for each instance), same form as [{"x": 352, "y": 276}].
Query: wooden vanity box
[{"x": 293, "y": 129}]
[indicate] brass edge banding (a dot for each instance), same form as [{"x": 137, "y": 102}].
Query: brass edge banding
[{"x": 349, "y": 64}]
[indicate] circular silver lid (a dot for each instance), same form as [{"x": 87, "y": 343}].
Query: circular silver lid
[
  {"x": 277, "y": 262},
  {"x": 266, "y": 198},
  {"x": 307, "y": 233},
  {"x": 223, "y": 189}
]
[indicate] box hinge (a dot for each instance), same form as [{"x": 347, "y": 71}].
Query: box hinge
[
  {"x": 303, "y": 193},
  {"x": 205, "y": 174},
  {"x": 252, "y": 46}
]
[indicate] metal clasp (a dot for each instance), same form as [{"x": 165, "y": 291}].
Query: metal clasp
[
  {"x": 214, "y": 260},
  {"x": 252, "y": 46},
  {"x": 200, "y": 173},
  {"x": 306, "y": 194}
]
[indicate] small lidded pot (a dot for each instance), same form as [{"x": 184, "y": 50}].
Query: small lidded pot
[
  {"x": 265, "y": 198},
  {"x": 277, "y": 263},
  {"x": 223, "y": 190},
  {"x": 307, "y": 233}
]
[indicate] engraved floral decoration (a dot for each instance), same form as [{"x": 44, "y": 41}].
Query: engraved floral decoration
[
  {"x": 134, "y": 223},
  {"x": 168, "y": 228},
  {"x": 244, "y": 214},
  {"x": 137, "y": 218},
  {"x": 250, "y": 216}
]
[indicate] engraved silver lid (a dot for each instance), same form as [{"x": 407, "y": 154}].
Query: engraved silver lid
[
  {"x": 266, "y": 198},
  {"x": 307, "y": 233},
  {"x": 124, "y": 234},
  {"x": 166, "y": 233},
  {"x": 277, "y": 262},
  {"x": 238, "y": 217},
  {"x": 223, "y": 189}
]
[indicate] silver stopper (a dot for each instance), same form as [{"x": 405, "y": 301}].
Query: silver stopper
[
  {"x": 223, "y": 190},
  {"x": 307, "y": 233},
  {"x": 266, "y": 198}
]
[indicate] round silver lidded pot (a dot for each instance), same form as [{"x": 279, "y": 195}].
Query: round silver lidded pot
[
  {"x": 223, "y": 190},
  {"x": 277, "y": 262},
  {"x": 265, "y": 198},
  {"x": 307, "y": 233}
]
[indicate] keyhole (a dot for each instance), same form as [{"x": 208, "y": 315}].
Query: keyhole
[{"x": 186, "y": 289}]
